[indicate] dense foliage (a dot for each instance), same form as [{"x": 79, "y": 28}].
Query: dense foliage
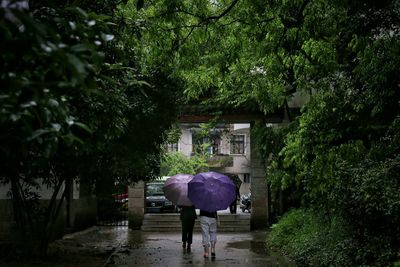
[
  {"x": 312, "y": 240},
  {"x": 344, "y": 154},
  {"x": 75, "y": 105},
  {"x": 175, "y": 162}
]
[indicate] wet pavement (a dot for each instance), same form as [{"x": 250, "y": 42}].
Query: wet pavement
[
  {"x": 136, "y": 248},
  {"x": 106, "y": 246}
]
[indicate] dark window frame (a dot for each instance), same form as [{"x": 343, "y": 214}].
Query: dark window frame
[{"x": 237, "y": 144}]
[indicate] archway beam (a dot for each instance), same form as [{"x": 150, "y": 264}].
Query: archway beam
[{"x": 231, "y": 118}]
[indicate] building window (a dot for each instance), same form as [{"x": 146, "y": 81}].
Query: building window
[
  {"x": 172, "y": 147},
  {"x": 246, "y": 178},
  {"x": 237, "y": 144}
]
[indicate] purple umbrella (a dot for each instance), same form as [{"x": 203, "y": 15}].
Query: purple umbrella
[
  {"x": 176, "y": 189},
  {"x": 211, "y": 191}
]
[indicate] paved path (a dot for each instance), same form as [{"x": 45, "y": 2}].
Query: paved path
[{"x": 138, "y": 248}]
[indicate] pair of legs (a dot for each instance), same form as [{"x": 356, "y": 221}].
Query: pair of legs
[
  {"x": 233, "y": 207},
  {"x": 187, "y": 233},
  {"x": 209, "y": 234}
]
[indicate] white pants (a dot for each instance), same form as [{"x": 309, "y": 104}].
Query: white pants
[{"x": 208, "y": 230}]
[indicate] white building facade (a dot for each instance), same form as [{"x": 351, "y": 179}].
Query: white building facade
[{"x": 229, "y": 149}]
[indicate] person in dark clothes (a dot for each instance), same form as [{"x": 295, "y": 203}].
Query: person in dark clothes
[
  {"x": 188, "y": 217},
  {"x": 233, "y": 205},
  {"x": 208, "y": 222},
  {"x": 236, "y": 180}
]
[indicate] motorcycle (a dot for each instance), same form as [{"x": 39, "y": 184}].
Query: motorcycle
[{"x": 245, "y": 202}]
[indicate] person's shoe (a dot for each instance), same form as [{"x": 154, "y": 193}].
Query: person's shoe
[
  {"x": 213, "y": 255},
  {"x": 206, "y": 249},
  {"x": 184, "y": 244},
  {"x": 188, "y": 249}
]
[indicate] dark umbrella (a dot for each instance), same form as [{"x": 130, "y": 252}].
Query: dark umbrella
[
  {"x": 176, "y": 189},
  {"x": 211, "y": 191}
]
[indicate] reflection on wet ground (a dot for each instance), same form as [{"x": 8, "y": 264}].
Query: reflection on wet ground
[
  {"x": 136, "y": 248},
  {"x": 121, "y": 247},
  {"x": 258, "y": 247}
]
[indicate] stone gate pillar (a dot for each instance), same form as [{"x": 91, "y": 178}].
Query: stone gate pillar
[
  {"x": 259, "y": 191},
  {"x": 136, "y": 205}
]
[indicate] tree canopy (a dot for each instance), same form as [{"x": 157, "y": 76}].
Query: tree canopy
[
  {"x": 75, "y": 104},
  {"x": 342, "y": 153}
]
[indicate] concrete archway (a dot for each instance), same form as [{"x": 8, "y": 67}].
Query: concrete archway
[
  {"x": 259, "y": 182},
  {"x": 259, "y": 190}
]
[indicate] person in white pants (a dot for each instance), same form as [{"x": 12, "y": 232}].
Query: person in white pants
[{"x": 208, "y": 222}]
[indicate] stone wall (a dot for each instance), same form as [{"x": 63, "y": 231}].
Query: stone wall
[
  {"x": 7, "y": 223},
  {"x": 6, "y": 220},
  {"x": 136, "y": 205},
  {"x": 259, "y": 190},
  {"x": 83, "y": 213}
]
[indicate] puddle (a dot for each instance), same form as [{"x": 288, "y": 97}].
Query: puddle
[{"x": 258, "y": 247}]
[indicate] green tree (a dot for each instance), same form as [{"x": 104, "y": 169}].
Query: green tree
[
  {"x": 76, "y": 105},
  {"x": 175, "y": 163}
]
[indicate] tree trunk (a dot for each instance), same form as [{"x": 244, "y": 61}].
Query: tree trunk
[{"x": 51, "y": 216}]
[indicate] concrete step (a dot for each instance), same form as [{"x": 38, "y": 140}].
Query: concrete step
[{"x": 170, "y": 222}]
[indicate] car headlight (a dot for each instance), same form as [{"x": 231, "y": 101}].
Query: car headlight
[{"x": 168, "y": 202}]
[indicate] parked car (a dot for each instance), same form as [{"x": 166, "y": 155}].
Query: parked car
[
  {"x": 121, "y": 201},
  {"x": 155, "y": 199},
  {"x": 120, "y": 197}
]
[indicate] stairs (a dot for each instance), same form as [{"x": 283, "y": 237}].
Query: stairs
[{"x": 170, "y": 222}]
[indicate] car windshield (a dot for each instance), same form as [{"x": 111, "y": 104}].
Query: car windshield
[{"x": 155, "y": 189}]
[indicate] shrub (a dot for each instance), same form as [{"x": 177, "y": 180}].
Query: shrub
[
  {"x": 311, "y": 239},
  {"x": 176, "y": 162}
]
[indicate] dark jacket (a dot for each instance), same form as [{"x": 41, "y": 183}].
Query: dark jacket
[
  {"x": 208, "y": 214},
  {"x": 188, "y": 213}
]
